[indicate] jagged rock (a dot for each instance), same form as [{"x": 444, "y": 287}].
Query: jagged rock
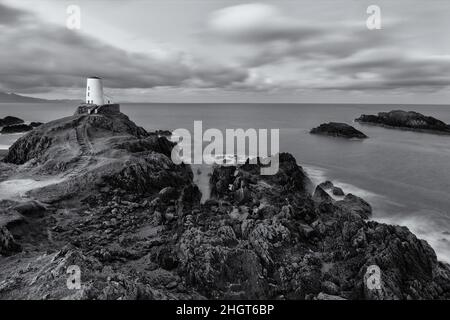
[
  {"x": 336, "y": 129},
  {"x": 355, "y": 205},
  {"x": 326, "y": 185},
  {"x": 263, "y": 236},
  {"x": 406, "y": 120},
  {"x": 227, "y": 234},
  {"x": 338, "y": 191},
  {"x": 320, "y": 195}
]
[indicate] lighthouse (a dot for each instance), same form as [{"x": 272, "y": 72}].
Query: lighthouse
[
  {"x": 94, "y": 91},
  {"x": 95, "y": 100}
]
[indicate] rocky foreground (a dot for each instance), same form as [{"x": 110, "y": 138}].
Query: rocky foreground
[
  {"x": 408, "y": 120},
  {"x": 114, "y": 204}
]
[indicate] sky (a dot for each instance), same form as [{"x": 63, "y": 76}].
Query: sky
[{"x": 292, "y": 51}]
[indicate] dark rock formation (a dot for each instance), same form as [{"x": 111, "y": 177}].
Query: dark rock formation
[
  {"x": 326, "y": 185},
  {"x": 355, "y": 205},
  {"x": 336, "y": 129},
  {"x": 36, "y": 124},
  {"x": 10, "y": 121},
  {"x": 132, "y": 221},
  {"x": 164, "y": 133},
  {"x": 8, "y": 245},
  {"x": 16, "y": 125},
  {"x": 276, "y": 233},
  {"x": 320, "y": 195},
  {"x": 30, "y": 208},
  {"x": 406, "y": 120},
  {"x": 338, "y": 191},
  {"x": 17, "y": 128}
]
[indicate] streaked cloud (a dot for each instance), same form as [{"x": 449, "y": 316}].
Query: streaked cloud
[
  {"x": 283, "y": 52},
  {"x": 260, "y": 48},
  {"x": 37, "y": 56}
]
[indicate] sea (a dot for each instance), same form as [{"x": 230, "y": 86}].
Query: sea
[{"x": 404, "y": 175}]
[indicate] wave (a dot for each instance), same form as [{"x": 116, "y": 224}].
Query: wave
[{"x": 319, "y": 175}]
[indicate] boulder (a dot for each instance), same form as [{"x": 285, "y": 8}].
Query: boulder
[
  {"x": 320, "y": 195},
  {"x": 355, "y": 205},
  {"x": 338, "y": 191}
]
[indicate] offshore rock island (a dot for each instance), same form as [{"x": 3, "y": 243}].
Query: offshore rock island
[
  {"x": 338, "y": 129},
  {"x": 107, "y": 197},
  {"x": 406, "y": 120}
]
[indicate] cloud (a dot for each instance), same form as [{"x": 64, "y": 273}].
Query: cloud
[
  {"x": 11, "y": 16},
  {"x": 38, "y": 56},
  {"x": 256, "y": 23},
  {"x": 284, "y": 53},
  {"x": 262, "y": 48}
]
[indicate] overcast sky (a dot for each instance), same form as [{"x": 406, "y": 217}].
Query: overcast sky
[{"x": 229, "y": 51}]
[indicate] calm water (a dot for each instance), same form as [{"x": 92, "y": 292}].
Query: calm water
[{"x": 404, "y": 175}]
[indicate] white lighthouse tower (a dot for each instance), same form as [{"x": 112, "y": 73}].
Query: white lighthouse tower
[
  {"x": 95, "y": 100},
  {"x": 94, "y": 91}
]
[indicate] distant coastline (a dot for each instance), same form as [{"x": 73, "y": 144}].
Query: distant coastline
[{"x": 17, "y": 98}]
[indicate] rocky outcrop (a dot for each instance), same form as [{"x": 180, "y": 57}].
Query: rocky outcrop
[
  {"x": 17, "y": 128},
  {"x": 337, "y": 191},
  {"x": 16, "y": 125},
  {"x": 355, "y": 205},
  {"x": 276, "y": 235},
  {"x": 406, "y": 120},
  {"x": 337, "y": 129},
  {"x": 10, "y": 121},
  {"x": 132, "y": 221}
]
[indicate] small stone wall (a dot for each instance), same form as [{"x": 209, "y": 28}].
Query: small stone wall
[
  {"x": 109, "y": 108},
  {"x": 92, "y": 108}
]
